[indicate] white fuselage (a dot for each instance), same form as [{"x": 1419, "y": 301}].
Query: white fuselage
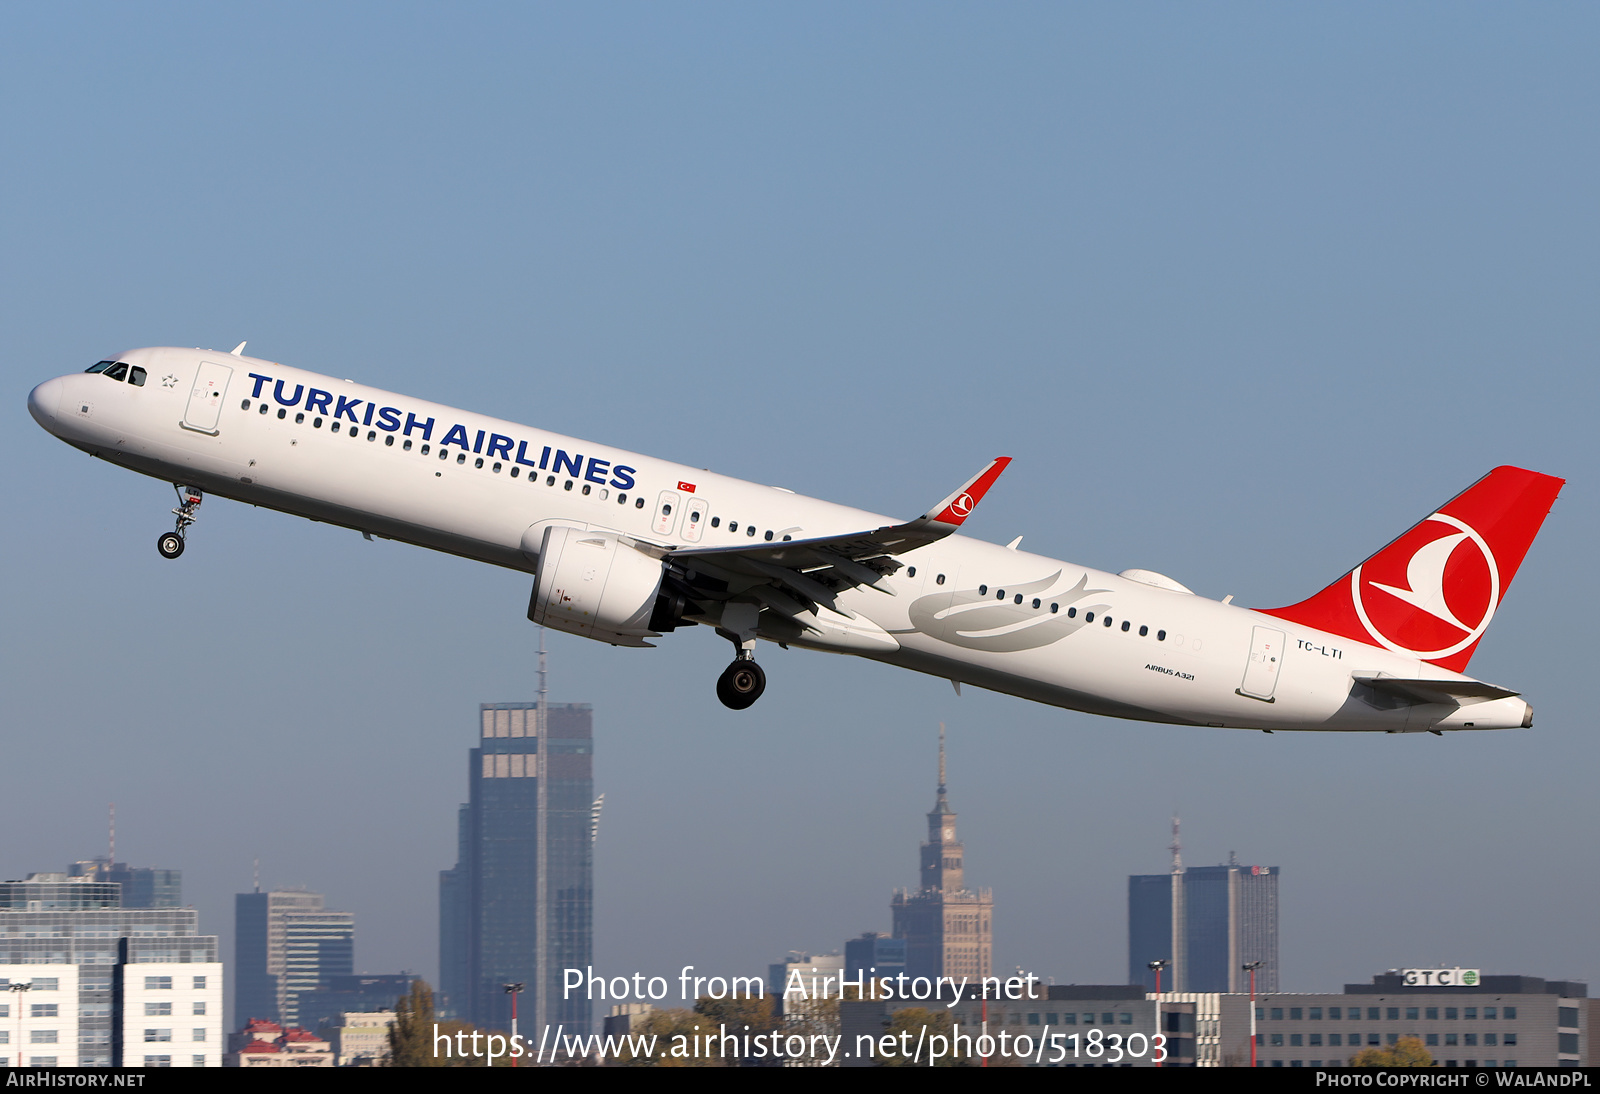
[{"x": 485, "y": 488}]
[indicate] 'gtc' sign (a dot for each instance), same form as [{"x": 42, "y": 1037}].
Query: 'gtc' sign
[{"x": 1442, "y": 978}]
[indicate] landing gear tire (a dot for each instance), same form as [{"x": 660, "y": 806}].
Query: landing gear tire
[
  {"x": 741, "y": 684},
  {"x": 170, "y": 545}
]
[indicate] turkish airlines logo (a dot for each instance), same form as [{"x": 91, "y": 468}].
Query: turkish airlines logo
[
  {"x": 1431, "y": 593},
  {"x": 962, "y": 505}
]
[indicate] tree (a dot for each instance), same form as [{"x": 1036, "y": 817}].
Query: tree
[
  {"x": 913, "y": 1021},
  {"x": 411, "y": 1035},
  {"x": 665, "y": 1026},
  {"x": 1406, "y": 1052}
]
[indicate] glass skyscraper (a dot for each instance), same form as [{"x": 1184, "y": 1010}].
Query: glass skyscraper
[
  {"x": 518, "y": 906},
  {"x": 285, "y": 943},
  {"x": 1208, "y": 922}
]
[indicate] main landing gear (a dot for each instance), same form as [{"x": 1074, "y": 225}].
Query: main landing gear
[
  {"x": 742, "y": 682},
  {"x": 170, "y": 544}
]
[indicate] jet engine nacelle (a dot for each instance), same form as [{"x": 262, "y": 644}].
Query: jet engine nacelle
[{"x": 594, "y": 584}]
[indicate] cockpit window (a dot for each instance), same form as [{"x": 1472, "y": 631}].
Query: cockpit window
[
  {"x": 118, "y": 371},
  {"x": 137, "y": 376},
  {"x": 100, "y": 366}
]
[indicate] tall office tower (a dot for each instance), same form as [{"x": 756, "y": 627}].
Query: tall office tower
[
  {"x": 1207, "y": 923},
  {"x": 105, "y": 985},
  {"x": 286, "y": 942},
  {"x": 142, "y": 886},
  {"x": 947, "y": 927},
  {"x": 518, "y": 905}
]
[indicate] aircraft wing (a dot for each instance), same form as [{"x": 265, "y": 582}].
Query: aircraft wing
[{"x": 815, "y": 570}]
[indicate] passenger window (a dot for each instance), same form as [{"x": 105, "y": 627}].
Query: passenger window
[
  {"x": 638, "y": 503},
  {"x": 716, "y": 522},
  {"x": 372, "y": 434},
  {"x": 514, "y": 471},
  {"x": 604, "y": 494},
  {"x": 1036, "y": 602},
  {"x": 316, "y": 423},
  {"x": 496, "y": 468},
  {"x": 1161, "y": 636},
  {"x": 1000, "y": 594},
  {"x": 568, "y": 486},
  {"x": 939, "y": 580},
  {"x": 911, "y": 572},
  {"x": 733, "y": 526},
  {"x": 1107, "y": 621},
  {"x": 118, "y": 371},
  {"x": 1019, "y": 599},
  {"x": 300, "y": 419},
  {"x": 550, "y": 480},
  {"x": 136, "y": 377},
  {"x": 334, "y": 427},
  {"x": 478, "y": 462},
  {"x": 1054, "y": 608},
  {"x": 768, "y": 536},
  {"x": 585, "y": 488},
  {"x": 1143, "y": 630},
  {"x": 1088, "y": 617},
  {"x": 388, "y": 442},
  {"x": 461, "y": 457},
  {"x": 622, "y": 499},
  {"x": 424, "y": 448},
  {"x": 1125, "y": 626},
  {"x": 245, "y": 405},
  {"x": 983, "y": 590},
  {"x": 750, "y": 531},
  {"x": 666, "y": 508},
  {"x": 282, "y": 413},
  {"x": 264, "y": 408},
  {"x": 444, "y": 453}
]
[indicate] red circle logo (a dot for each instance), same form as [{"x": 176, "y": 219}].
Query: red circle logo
[{"x": 1432, "y": 592}]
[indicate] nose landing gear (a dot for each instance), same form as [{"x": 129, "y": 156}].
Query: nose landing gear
[{"x": 170, "y": 544}]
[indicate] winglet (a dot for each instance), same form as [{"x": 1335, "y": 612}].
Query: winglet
[
  {"x": 958, "y": 506},
  {"x": 238, "y": 350}
]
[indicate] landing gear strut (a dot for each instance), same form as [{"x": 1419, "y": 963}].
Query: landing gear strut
[
  {"x": 741, "y": 684},
  {"x": 170, "y": 544}
]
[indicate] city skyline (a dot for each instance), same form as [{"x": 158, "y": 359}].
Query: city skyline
[{"x": 1240, "y": 294}]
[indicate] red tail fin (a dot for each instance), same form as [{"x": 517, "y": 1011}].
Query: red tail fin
[{"x": 1432, "y": 592}]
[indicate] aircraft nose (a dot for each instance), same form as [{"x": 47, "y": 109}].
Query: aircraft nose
[{"x": 44, "y": 401}]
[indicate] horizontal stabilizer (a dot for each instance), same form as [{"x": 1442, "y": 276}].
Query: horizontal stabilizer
[{"x": 1434, "y": 691}]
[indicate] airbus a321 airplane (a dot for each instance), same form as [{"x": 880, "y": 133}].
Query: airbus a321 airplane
[{"x": 624, "y": 548}]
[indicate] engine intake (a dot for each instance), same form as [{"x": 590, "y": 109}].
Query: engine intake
[{"x": 594, "y": 584}]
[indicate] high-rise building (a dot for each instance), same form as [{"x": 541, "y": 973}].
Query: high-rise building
[
  {"x": 286, "y": 942},
  {"x": 1207, "y": 923},
  {"x": 946, "y": 926},
  {"x": 142, "y": 886},
  {"x": 95, "y": 984},
  {"x": 518, "y": 905}
]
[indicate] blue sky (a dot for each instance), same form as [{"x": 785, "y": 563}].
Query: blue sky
[{"x": 1245, "y": 290}]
